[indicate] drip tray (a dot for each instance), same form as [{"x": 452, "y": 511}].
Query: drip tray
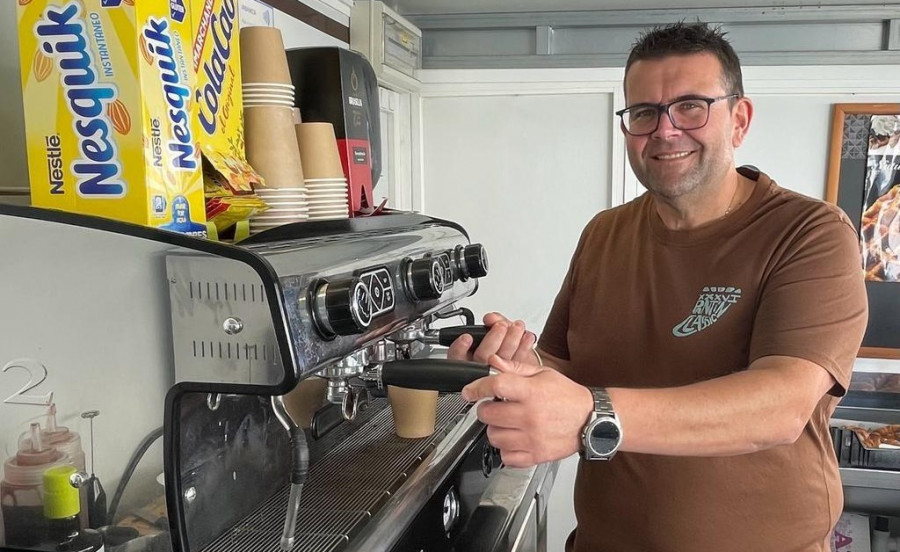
[{"x": 345, "y": 487}]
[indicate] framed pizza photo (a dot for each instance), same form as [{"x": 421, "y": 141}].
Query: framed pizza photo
[{"x": 864, "y": 181}]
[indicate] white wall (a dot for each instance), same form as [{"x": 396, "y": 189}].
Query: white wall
[
  {"x": 523, "y": 158},
  {"x": 542, "y": 160},
  {"x": 298, "y": 34}
]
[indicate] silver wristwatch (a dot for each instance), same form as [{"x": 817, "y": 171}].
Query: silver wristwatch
[{"x": 602, "y": 434}]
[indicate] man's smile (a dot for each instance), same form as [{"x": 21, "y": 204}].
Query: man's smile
[{"x": 671, "y": 156}]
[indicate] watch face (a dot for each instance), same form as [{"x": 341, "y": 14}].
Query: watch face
[{"x": 605, "y": 436}]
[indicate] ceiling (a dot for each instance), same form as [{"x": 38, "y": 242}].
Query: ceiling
[{"x": 435, "y": 7}]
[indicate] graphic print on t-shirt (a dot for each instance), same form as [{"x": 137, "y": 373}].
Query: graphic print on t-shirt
[{"x": 712, "y": 304}]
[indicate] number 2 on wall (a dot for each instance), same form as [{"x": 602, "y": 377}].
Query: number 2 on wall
[{"x": 37, "y": 373}]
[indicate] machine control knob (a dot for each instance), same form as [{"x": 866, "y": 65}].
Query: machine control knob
[
  {"x": 425, "y": 279},
  {"x": 471, "y": 261},
  {"x": 343, "y": 307},
  {"x": 450, "y": 510}
]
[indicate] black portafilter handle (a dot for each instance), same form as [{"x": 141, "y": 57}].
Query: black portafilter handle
[
  {"x": 435, "y": 374},
  {"x": 446, "y": 336}
]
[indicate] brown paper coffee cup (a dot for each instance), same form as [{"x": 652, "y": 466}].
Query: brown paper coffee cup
[
  {"x": 262, "y": 56},
  {"x": 318, "y": 150},
  {"x": 414, "y": 411},
  {"x": 305, "y": 399},
  {"x": 272, "y": 146}
]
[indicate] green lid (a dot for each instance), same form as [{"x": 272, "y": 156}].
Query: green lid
[{"x": 61, "y": 499}]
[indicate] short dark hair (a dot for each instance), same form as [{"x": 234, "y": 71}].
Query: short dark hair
[{"x": 690, "y": 38}]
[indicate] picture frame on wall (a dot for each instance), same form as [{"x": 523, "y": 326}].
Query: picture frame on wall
[{"x": 864, "y": 181}]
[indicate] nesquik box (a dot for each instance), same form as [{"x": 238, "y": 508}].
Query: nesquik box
[{"x": 108, "y": 88}]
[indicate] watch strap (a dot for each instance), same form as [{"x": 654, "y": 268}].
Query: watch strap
[
  {"x": 602, "y": 409},
  {"x": 602, "y": 403}
]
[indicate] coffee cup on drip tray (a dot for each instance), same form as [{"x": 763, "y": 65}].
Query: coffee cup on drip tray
[{"x": 414, "y": 411}]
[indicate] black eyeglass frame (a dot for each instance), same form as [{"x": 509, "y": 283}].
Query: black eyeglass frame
[{"x": 664, "y": 108}]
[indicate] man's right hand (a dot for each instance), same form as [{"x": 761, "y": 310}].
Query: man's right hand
[{"x": 507, "y": 339}]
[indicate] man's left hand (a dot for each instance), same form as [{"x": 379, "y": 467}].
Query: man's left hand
[{"x": 539, "y": 415}]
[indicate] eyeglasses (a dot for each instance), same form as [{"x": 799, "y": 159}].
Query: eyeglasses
[{"x": 686, "y": 113}]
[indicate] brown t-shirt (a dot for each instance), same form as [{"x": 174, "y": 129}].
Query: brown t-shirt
[{"x": 644, "y": 306}]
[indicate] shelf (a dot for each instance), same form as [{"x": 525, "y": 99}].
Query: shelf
[
  {"x": 875, "y": 414},
  {"x": 868, "y": 478},
  {"x": 871, "y": 399},
  {"x": 871, "y": 491}
]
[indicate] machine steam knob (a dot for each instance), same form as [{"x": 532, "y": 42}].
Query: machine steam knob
[
  {"x": 471, "y": 261},
  {"x": 425, "y": 279},
  {"x": 451, "y": 510},
  {"x": 343, "y": 307}
]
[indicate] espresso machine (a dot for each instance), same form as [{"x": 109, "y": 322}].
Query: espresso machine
[{"x": 232, "y": 397}]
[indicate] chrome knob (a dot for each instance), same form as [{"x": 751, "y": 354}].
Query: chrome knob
[
  {"x": 342, "y": 307},
  {"x": 471, "y": 261},
  {"x": 424, "y": 279},
  {"x": 451, "y": 510}
]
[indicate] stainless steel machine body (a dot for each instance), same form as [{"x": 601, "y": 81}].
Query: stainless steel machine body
[{"x": 216, "y": 304}]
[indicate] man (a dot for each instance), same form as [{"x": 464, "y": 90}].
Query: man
[{"x": 700, "y": 341}]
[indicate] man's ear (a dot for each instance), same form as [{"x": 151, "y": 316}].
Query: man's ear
[{"x": 742, "y": 115}]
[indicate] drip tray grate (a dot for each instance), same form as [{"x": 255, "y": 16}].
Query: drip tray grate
[{"x": 345, "y": 488}]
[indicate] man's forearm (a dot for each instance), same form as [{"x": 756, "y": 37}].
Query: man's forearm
[{"x": 765, "y": 406}]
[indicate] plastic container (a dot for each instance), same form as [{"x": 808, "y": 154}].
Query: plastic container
[
  {"x": 882, "y": 541},
  {"x": 62, "y": 439},
  {"x": 21, "y": 499}
]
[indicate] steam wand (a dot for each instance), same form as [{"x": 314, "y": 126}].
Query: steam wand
[{"x": 299, "y": 470}]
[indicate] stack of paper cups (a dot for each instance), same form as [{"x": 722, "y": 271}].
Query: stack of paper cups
[
  {"x": 272, "y": 146},
  {"x": 262, "y": 56},
  {"x": 327, "y": 199},
  {"x": 271, "y": 142},
  {"x": 264, "y": 69},
  {"x": 325, "y": 181},
  {"x": 263, "y": 94},
  {"x": 286, "y": 205}
]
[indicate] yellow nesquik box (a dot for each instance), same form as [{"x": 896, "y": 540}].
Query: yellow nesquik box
[
  {"x": 217, "y": 64},
  {"x": 107, "y": 86}
]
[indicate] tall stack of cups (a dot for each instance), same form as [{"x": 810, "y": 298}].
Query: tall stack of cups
[
  {"x": 271, "y": 141},
  {"x": 325, "y": 182}
]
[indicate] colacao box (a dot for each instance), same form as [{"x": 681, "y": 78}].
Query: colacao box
[
  {"x": 107, "y": 86},
  {"x": 217, "y": 63}
]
